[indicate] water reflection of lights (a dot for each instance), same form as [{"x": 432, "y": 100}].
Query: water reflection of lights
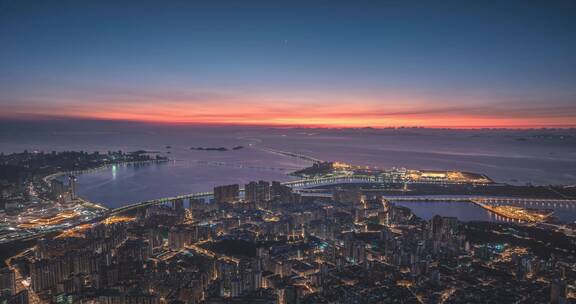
[{"x": 113, "y": 172}]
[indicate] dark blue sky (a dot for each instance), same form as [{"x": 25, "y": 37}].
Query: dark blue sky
[{"x": 488, "y": 63}]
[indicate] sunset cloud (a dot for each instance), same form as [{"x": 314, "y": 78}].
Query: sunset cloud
[{"x": 313, "y": 110}]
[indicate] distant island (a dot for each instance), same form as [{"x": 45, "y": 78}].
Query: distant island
[{"x": 216, "y": 148}]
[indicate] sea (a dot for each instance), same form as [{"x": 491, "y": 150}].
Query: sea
[{"x": 538, "y": 156}]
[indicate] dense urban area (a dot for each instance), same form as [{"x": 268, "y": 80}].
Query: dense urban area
[{"x": 334, "y": 236}]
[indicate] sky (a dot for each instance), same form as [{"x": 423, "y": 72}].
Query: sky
[{"x": 460, "y": 64}]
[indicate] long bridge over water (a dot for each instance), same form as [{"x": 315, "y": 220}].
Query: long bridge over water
[
  {"x": 297, "y": 184},
  {"x": 302, "y": 185}
]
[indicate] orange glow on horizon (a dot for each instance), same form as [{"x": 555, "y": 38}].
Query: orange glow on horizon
[
  {"x": 438, "y": 121},
  {"x": 318, "y": 112},
  {"x": 324, "y": 120}
]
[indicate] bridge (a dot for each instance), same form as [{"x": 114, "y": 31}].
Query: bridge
[
  {"x": 164, "y": 200},
  {"x": 301, "y": 185},
  {"x": 488, "y": 200},
  {"x": 297, "y": 184},
  {"x": 290, "y": 154},
  {"x": 333, "y": 180},
  {"x": 538, "y": 203},
  {"x": 206, "y": 195}
]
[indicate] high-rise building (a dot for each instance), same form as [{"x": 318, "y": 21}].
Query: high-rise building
[
  {"x": 178, "y": 206},
  {"x": 282, "y": 193},
  {"x": 263, "y": 191},
  {"x": 45, "y": 274},
  {"x": 557, "y": 292},
  {"x": 134, "y": 250},
  {"x": 182, "y": 235},
  {"x": 226, "y": 194},
  {"x": 443, "y": 228},
  {"x": 57, "y": 187},
  {"x": 251, "y": 191},
  {"x": 7, "y": 282},
  {"x": 257, "y": 192},
  {"x": 72, "y": 186},
  {"x": 291, "y": 295},
  {"x": 347, "y": 196},
  {"x": 19, "y": 298}
]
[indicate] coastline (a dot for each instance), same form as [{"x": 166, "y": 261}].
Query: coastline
[
  {"x": 52, "y": 176},
  {"x": 96, "y": 205}
]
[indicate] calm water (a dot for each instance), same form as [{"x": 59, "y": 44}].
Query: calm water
[
  {"x": 519, "y": 157},
  {"x": 120, "y": 185},
  {"x": 470, "y": 212}
]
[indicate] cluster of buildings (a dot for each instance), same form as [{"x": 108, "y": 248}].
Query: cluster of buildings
[
  {"x": 268, "y": 244},
  {"x": 63, "y": 192},
  {"x": 38, "y": 189},
  {"x": 9, "y": 293},
  {"x": 392, "y": 175}
]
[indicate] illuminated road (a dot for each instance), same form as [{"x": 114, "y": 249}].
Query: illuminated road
[
  {"x": 513, "y": 212},
  {"x": 20, "y": 281}
]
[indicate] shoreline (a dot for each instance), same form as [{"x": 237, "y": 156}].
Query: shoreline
[
  {"x": 52, "y": 176},
  {"x": 87, "y": 201}
]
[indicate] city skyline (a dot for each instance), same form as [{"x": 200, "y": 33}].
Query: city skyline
[
  {"x": 297, "y": 152},
  {"x": 386, "y": 64}
]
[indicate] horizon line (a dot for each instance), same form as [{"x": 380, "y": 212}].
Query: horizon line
[{"x": 49, "y": 118}]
